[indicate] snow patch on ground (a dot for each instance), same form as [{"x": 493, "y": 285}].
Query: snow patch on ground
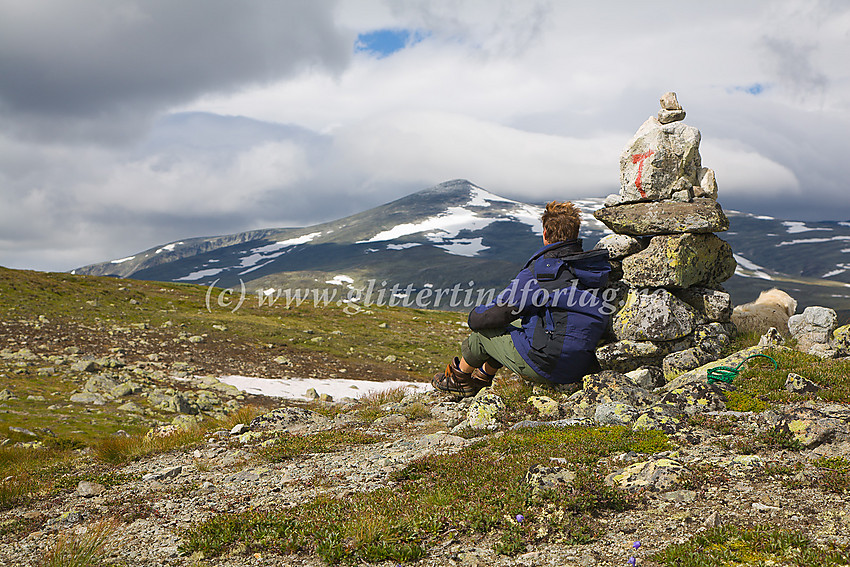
[
  {"x": 340, "y": 280},
  {"x": 755, "y": 271},
  {"x": 296, "y": 388}
]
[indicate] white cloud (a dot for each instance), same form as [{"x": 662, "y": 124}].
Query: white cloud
[{"x": 531, "y": 100}]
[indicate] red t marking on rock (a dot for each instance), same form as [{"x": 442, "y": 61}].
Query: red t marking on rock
[{"x": 640, "y": 158}]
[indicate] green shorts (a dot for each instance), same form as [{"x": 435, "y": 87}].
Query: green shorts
[{"x": 496, "y": 347}]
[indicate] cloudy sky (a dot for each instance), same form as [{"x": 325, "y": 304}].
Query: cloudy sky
[{"x": 125, "y": 124}]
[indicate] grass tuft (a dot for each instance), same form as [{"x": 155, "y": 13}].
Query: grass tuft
[{"x": 86, "y": 550}]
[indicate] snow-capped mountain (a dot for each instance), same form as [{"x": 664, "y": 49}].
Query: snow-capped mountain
[{"x": 459, "y": 232}]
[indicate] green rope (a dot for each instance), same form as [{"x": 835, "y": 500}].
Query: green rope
[{"x": 728, "y": 373}]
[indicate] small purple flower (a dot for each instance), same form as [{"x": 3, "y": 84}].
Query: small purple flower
[
  {"x": 636, "y": 544},
  {"x": 632, "y": 561},
  {"x": 520, "y": 518}
]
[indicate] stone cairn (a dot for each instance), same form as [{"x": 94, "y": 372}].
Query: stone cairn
[{"x": 668, "y": 265}]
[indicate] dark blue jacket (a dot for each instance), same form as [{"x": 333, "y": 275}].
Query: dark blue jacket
[{"x": 558, "y": 296}]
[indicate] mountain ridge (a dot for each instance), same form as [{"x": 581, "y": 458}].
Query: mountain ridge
[{"x": 455, "y": 230}]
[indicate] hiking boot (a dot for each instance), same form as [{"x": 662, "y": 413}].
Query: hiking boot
[
  {"x": 454, "y": 381},
  {"x": 480, "y": 377}
]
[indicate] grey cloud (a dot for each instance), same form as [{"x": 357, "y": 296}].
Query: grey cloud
[
  {"x": 68, "y": 67},
  {"x": 792, "y": 65}
]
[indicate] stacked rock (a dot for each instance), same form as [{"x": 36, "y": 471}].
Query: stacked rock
[{"x": 668, "y": 265}]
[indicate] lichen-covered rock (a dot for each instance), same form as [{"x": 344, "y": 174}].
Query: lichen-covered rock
[
  {"x": 695, "y": 398},
  {"x": 619, "y": 245},
  {"x": 175, "y": 403},
  {"x": 290, "y": 418},
  {"x": 543, "y": 479},
  {"x": 615, "y": 413},
  {"x": 841, "y": 339},
  {"x": 627, "y": 355},
  {"x": 546, "y": 407},
  {"x": 701, "y": 374},
  {"x": 682, "y": 361},
  {"x": 660, "y": 417},
  {"x": 610, "y": 387},
  {"x": 647, "y": 377},
  {"x": 482, "y": 412},
  {"x": 811, "y": 427},
  {"x": 797, "y": 384},
  {"x": 713, "y": 338},
  {"x": 657, "y": 475},
  {"x": 710, "y": 304},
  {"x": 680, "y": 261},
  {"x": 659, "y": 160},
  {"x": 664, "y": 217},
  {"x": 653, "y": 316},
  {"x": 88, "y": 398}
]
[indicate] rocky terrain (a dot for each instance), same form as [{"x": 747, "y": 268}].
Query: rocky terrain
[{"x": 701, "y": 458}]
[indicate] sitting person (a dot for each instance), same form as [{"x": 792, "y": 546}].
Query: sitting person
[{"x": 546, "y": 324}]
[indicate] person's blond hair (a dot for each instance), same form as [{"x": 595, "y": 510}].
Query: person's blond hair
[{"x": 561, "y": 221}]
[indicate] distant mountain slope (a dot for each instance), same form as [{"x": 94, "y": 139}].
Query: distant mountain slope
[{"x": 457, "y": 232}]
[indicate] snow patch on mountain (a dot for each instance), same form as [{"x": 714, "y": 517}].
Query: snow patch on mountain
[
  {"x": 443, "y": 229},
  {"x": 168, "y": 247},
  {"x": 122, "y": 260},
  {"x": 266, "y": 254},
  {"x": 401, "y": 246},
  {"x": 794, "y": 227},
  {"x": 812, "y": 240},
  {"x": 748, "y": 269},
  {"x": 470, "y": 247},
  {"x": 195, "y": 276}
]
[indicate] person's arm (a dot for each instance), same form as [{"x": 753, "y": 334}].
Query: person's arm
[{"x": 509, "y": 305}]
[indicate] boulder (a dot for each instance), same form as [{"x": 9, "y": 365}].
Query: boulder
[
  {"x": 648, "y": 377},
  {"x": 288, "y": 418},
  {"x": 482, "y": 412},
  {"x": 797, "y": 384},
  {"x": 619, "y": 245},
  {"x": 680, "y": 261},
  {"x": 664, "y": 217},
  {"x": 546, "y": 407},
  {"x": 695, "y": 398},
  {"x": 813, "y": 330},
  {"x": 682, "y": 361},
  {"x": 610, "y": 387},
  {"x": 707, "y": 184},
  {"x": 88, "y": 398},
  {"x": 615, "y": 413},
  {"x": 627, "y": 355},
  {"x": 659, "y": 160},
  {"x": 660, "y": 417},
  {"x": 811, "y": 427},
  {"x": 710, "y": 304},
  {"x": 653, "y": 316},
  {"x": 841, "y": 339},
  {"x": 658, "y": 475}
]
